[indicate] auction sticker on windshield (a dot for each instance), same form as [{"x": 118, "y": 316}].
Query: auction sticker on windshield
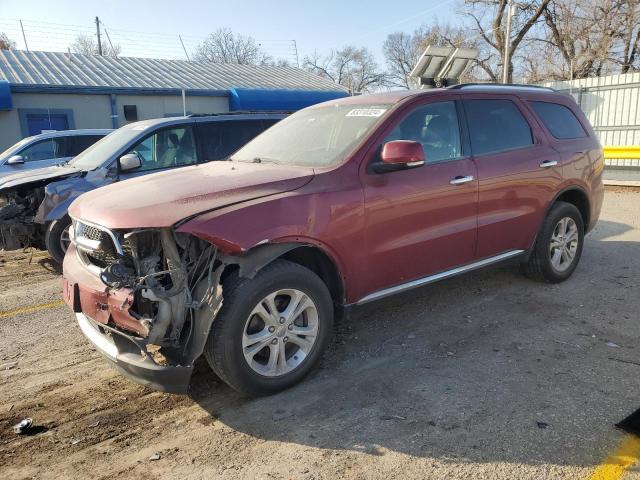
[{"x": 366, "y": 112}]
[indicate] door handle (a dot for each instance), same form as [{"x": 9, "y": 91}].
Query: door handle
[
  {"x": 548, "y": 163},
  {"x": 459, "y": 180}
]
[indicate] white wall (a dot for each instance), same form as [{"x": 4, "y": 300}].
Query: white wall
[{"x": 94, "y": 111}]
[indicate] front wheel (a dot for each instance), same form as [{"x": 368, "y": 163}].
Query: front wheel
[
  {"x": 558, "y": 247},
  {"x": 57, "y": 239},
  {"x": 271, "y": 330}
]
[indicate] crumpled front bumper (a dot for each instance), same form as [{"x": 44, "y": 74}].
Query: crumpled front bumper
[
  {"x": 96, "y": 309},
  {"x": 131, "y": 359}
]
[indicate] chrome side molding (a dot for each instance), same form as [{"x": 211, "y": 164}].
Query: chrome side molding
[{"x": 438, "y": 276}]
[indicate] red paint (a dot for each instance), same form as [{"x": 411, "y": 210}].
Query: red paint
[
  {"x": 379, "y": 229},
  {"x": 100, "y": 303}
]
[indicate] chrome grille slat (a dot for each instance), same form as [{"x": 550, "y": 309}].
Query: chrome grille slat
[{"x": 97, "y": 246}]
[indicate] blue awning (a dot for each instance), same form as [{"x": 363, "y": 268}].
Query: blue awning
[
  {"x": 5, "y": 96},
  {"x": 283, "y": 100}
]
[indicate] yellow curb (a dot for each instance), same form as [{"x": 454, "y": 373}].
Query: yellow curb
[{"x": 625, "y": 456}]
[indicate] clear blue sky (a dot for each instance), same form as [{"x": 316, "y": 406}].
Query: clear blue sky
[{"x": 319, "y": 24}]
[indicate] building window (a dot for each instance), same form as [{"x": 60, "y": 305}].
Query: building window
[
  {"x": 37, "y": 120},
  {"x": 130, "y": 113}
]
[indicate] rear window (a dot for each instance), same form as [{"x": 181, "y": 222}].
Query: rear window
[
  {"x": 496, "y": 126},
  {"x": 559, "y": 120}
]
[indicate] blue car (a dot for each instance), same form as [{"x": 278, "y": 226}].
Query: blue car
[{"x": 33, "y": 205}]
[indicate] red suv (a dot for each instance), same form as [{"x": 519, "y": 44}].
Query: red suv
[{"x": 340, "y": 204}]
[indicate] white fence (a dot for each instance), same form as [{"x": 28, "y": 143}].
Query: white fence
[{"x": 612, "y": 104}]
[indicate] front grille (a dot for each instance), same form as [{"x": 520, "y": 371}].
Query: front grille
[
  {"x": 99, "y": 249},
  {"x": 93, "y": 233}
]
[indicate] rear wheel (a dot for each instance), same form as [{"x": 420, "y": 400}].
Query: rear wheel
[
  {"x": 558, "y": 247},
  {"x": 271, "y": 330},
  {"x": 57, "y": 238}
]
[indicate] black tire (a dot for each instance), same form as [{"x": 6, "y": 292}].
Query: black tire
[
  {"x": 52, "y": 238},
  {"x": 224, "y": 350},
  {"x": 539, "y": 266}
]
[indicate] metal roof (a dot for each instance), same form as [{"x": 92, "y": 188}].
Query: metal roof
[{"x": 54, "y": 69}]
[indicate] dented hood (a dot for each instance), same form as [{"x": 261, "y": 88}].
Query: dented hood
[
  {"x": 163, "y": 199},
  {"x": 39, "y": 174}
]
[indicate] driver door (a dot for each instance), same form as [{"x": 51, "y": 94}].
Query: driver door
[
  {"x": 162, "y": 150},
  {"x": 423, "y": 220}
]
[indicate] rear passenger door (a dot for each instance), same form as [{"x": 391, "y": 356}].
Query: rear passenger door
[
  {"x": 516, "y": 172},
  {"x": 219, "y": 139}
]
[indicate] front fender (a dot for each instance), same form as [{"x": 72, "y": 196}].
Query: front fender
[
  {"x": 58, "y": 196},
  {"x": 291, "y": 219}
]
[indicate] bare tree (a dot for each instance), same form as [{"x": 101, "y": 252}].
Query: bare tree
[
  {"x": 87, "y": 45},
  {"x": 6, "y": 43},
  {"x": 351, "y": 67},
  {"x": 629, "y": 35},
  {"x": 489, "y": 18},
  {"x": 225, "y": 46},
  {"x": 402, "y": 50}
]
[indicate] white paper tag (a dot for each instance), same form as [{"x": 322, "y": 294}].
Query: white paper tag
[{"x": 366, "y": 112}]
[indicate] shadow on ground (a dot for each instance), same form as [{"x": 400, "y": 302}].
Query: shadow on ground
[{"x": 486, "y": 367}]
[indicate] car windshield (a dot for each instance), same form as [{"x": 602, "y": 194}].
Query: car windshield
[
  {"x": 101, "y": 151},
  {"x": 314, "y": 137},
  {"x": 15, "y": 146}
]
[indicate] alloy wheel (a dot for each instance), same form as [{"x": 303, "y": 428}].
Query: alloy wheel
[
  {"x": 564, "y": 244},
  {"x": 280, "y": 332}
]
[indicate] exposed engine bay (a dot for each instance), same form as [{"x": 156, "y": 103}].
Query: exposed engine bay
[
  {"x": 148, "y": 297},
  {"x": 18, "y": 208},
  {"x": 162, "y": 277}
]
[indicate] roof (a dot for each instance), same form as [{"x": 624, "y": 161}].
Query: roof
[
  {"x": 73, "y": 133},
  {"x": 397, "y": 96},
  {"x": 28, "y": 69}
]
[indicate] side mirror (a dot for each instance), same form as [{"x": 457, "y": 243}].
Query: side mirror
[
  {"x": 400, "y": 155},
  {"x": 128, "y": 162},
  {"x": 16, "y": 160}
]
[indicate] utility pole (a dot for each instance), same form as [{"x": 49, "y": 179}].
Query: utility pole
[
  {"x": 507, "y": 43},
  {"x": 98, "y": 33},
  {"x": 295, "y": 49},
  {"x": 185, "y": 50},
  {"x": 24, "y": 37}
]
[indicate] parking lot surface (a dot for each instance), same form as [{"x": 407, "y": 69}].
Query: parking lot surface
[{"x": 487, "y": 375}]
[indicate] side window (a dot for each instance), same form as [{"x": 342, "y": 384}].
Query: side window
[
  {"x": 559, "y": 120},
  {"x": 435, "y": 126},
  {"x": 42, "y": 150},
  {"x": 496, "y": 125},
  {"x": 171, "y": 147},
  {"x": 220, "y": 139},
  {"x": 74, "y": 145}
]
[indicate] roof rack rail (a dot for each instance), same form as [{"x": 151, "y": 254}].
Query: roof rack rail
[
  {"x": 242, "y": 112},
  {"x": 460, "y": 86}
]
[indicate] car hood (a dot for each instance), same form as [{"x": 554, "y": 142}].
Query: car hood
[
  {"x": 163, "y": 199},
  {"x": 39, "y": 174}
]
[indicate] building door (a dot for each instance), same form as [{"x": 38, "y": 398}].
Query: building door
[{"x": 37, "y": 122}]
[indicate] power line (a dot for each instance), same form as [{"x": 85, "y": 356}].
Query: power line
[{"x": 51, "y": 36}]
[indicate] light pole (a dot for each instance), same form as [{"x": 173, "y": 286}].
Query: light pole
[{"x": 507, "y": 43}]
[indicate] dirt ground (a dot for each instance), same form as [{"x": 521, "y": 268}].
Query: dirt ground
[{"x": 487, "y": 375}]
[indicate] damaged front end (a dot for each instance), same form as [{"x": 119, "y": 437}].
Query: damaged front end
[
  {"x": 18, "y": 208},
  {"x": 145, "y": 298}
]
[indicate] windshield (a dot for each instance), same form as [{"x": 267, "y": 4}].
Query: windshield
[
  {"x": 15, "y": 147},
  {"x": 101, "y": 151},
  {"x": 314, "y": 137}
]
